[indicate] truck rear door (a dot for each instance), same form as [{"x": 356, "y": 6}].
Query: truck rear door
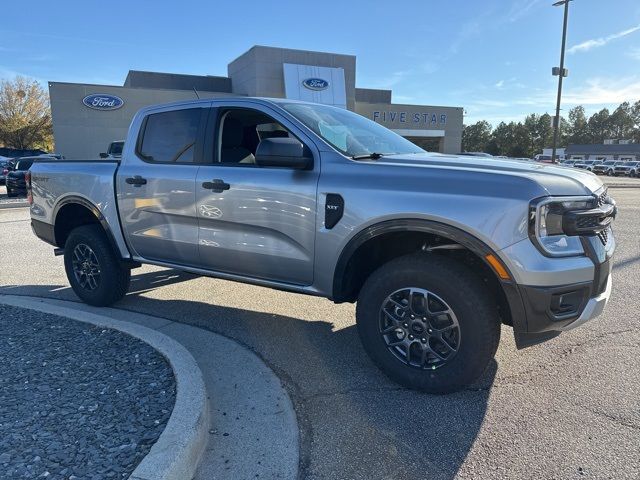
[
  {"x": 255, "y": 221},
  {"x": 155, "y": 185}
]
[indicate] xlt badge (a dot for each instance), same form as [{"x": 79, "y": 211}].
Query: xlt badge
[{"x": 333, "y": 210}]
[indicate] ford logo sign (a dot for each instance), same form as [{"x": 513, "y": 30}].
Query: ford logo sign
[
  {"x": 315, "y": 84},
  {"x": 103, "y": 101}
]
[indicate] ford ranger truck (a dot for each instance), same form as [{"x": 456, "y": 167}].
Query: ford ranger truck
[{"x": 437, "y": 250}]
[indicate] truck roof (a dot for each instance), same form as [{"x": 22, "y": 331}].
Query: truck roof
[{"x": 264, "y": 100}]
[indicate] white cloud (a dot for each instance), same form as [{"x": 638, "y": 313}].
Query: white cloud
[
  {"x": 601, "y": 91},
  {"x": 500, "y": 84},
  {"x": 594, "y": 94},
  {"x": 521, "y": 9},
  {"x": 602, "y": 41}
]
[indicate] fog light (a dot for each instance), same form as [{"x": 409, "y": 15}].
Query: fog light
[{"x": 563, "y": 304}]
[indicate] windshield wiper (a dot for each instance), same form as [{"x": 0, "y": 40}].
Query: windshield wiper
[{"x": 364, "y": 156}]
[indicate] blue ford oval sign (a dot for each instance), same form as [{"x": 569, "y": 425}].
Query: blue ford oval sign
[
  {"x": 315, "y": 83},
  {"x": 103, "y": 101}
]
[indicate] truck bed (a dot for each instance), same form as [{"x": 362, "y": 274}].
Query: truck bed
[{"x": 59, "y": 182}]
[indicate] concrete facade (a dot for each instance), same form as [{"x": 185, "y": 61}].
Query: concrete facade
[
  {"x": 81, "y": 131},
  {"x": 259, "y": 72},
  {"x": 421, "y": 124}
]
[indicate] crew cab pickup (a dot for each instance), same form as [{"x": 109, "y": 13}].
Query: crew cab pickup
[{"x": 438, "y": 250}]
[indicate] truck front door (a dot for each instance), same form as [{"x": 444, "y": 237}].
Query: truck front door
[
  {"x": 156, "y": 186},
  {"x": 255, "y": 221}
]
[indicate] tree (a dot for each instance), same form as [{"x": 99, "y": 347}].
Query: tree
[
  {"x": 25, "y": 115},
  {"x": 539, "y": 133},
  {"x": 475, "y": 138},
  {"x": 520, "y": 140},
  {"x": 635, "y": 116},
  {"x": 531, "y": 124},
  {"x": 503, "y": 137},
  {"x": 621, "y": 122},
  {"x": 578, "y": 128},
  {"x": 525, "y": 139},
  {"x": 599, "y": 128}
]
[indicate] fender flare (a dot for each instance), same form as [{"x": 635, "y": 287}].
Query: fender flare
[
  {"x": 77, "y": 200},
  {"x": 444, "y": 230}
]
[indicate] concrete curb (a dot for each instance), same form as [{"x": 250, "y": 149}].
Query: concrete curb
[
  {"x": 178, "y": 450},
  {"x": 13, "y": 205}
]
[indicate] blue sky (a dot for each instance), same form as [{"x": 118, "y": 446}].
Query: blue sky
[{"x": 492, "y": 57}]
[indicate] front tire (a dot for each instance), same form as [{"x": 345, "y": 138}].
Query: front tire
[
  {"x": 428, "y": 322},
  {"x": 10, "y": 193},
  {"x": 94, "y": 271}
]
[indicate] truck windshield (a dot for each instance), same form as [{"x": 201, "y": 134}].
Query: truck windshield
[{"x": 352, "y": 134}]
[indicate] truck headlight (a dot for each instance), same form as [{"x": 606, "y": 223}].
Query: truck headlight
[{"x": 548, "y": 224}]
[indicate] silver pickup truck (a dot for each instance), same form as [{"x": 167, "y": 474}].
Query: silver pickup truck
[{"x": 438, "y": 250}]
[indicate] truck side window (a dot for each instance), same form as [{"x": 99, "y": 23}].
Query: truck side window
[
  {"x": 170, "y": 137},
  {"x": 241, "y": 132}
]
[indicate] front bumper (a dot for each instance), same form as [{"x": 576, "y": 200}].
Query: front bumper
[
  {"x": 543, "y": 312},
  {"x": 595, "y": 306}
]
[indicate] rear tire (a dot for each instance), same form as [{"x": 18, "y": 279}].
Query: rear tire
[
  {"x": 456, "y": 295},
  {"x": 93, "y": 268},
  {"x": 10, "y": 193}
]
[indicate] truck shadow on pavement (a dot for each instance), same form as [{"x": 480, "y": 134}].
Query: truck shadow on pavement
[{"x": 354, "y": 421}]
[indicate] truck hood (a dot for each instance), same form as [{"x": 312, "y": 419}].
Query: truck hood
[{"x": 554, "y": 179}]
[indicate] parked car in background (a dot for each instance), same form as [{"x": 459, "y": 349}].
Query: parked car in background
[
  {"x": 114, "y": 150},
  {"x": 587, "y": 164},
  {"x": 57, "y": 156},
  {"x": 15, "y": 177},
  {"x": 543, "y": 158},
  {"x": 605, "y": 168},
  {"x": 282, "y": 197},
  {"x": 628, "y": 169},
  {"x": 567, "y": 163},
  {"x": 4, "y": 169}
]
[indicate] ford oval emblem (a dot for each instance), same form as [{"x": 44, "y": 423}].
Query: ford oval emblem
[
  {"x": 315, "y": 84},
  {"x": 103, "y": 101}
]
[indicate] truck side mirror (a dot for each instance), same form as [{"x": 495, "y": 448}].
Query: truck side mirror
[
  {"x": 283, "y": 152},
  {"x": 103, "y": 155}
]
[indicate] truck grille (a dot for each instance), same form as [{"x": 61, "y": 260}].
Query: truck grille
[
  {"x": 604, "y": 237},
  {"x": 602, "y": 199}
]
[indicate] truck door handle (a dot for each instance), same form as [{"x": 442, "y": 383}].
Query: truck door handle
[
  {"x": 136, "y": 181},
  {"x": 216, "y": 185}
]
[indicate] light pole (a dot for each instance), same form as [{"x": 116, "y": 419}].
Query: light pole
[{"x": 561, "y": 72}]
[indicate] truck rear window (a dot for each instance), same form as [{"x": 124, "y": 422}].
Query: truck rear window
[
  {"x": 170, "y": 137},
  {"x": 24, "y": 165}
]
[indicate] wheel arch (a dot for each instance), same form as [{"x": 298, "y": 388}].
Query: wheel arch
[
  {"x": 74, "y": 211},
  {"x": 403, "y": 236}
]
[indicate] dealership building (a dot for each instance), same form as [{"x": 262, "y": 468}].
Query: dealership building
[{"x": 86, "y": 118}]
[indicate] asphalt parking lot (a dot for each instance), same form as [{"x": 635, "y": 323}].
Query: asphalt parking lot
[{"x": 566, "y": 409}]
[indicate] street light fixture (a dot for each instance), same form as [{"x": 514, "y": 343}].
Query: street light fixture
[{"x": 561, "y": 73}]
